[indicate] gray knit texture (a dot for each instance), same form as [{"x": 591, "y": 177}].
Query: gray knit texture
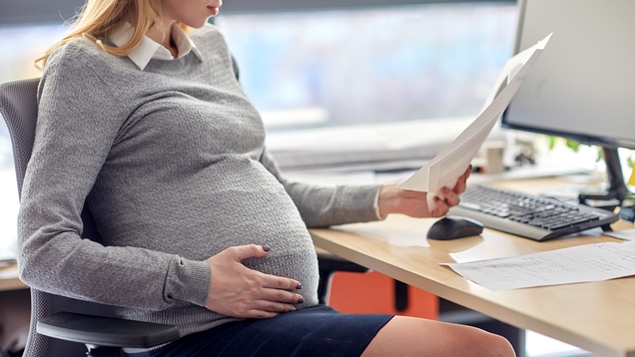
[{"x": 172, "y": 163}]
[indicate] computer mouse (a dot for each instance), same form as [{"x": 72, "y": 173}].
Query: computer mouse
[{"x": 453, "y": 227}]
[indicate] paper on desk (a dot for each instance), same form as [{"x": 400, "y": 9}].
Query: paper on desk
[
  {"x": 451, "y": 162},
  {"x": 627, "y": 234},
  {"x": 590, "y": 262}
]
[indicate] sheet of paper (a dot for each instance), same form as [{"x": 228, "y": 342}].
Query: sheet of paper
[
  {"x": 627, "y": 234},
  {"x": 453, "y": 160},
  {"x": 590, "y": 262}
]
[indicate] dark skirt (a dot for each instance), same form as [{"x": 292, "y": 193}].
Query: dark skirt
[{"x": 315, "y": 331}]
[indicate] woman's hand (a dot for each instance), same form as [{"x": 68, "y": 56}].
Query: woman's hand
[
  {"x": 392, "y": 199},
  {"x": 238, "y": 291}
]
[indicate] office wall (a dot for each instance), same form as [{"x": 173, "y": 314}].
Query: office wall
[
  {"x": 14, "y": 12},
  {"x": 56, "y": 11},
  {"x": 292, "y": 5}
]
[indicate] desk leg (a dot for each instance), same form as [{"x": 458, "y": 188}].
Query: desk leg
[{"x": 451, "y": 312}]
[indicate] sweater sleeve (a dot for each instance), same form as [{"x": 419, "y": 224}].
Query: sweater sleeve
[
  {"x": 79, "y": 117},
  {"x": 327, "y": 205}
]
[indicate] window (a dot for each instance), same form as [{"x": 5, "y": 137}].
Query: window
[{"x": 351, "y": 66}]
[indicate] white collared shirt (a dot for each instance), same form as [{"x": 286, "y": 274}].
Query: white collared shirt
[{"x": 149, "y": 49}]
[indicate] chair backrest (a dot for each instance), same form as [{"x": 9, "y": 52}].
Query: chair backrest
[{"x": 18, "y": 107}]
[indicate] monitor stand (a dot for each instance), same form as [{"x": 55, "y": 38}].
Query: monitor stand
[{"x": 617, "y": 190}]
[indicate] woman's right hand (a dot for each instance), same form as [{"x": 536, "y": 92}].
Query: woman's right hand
[{"x": 238, "y": 291}]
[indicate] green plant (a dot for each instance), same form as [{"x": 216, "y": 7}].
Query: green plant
[{"x": 573, "y": 145}]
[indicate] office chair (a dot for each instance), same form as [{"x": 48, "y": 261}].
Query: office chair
[
  {"x": 60, "y": 325},
  {"x": 66, "y": 319}
]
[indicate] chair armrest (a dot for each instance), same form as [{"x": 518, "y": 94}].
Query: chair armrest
[{"x": 105, "y": 331}]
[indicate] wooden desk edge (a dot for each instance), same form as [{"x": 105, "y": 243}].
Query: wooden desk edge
[
  {"x": 463, "y": 298},
  {"x": 9, "y": 279}
]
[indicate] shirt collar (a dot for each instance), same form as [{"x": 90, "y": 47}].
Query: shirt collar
[{"x": 149, "y": 49}]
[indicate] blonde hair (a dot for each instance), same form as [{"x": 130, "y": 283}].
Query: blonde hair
[{"x": 98, "y": 18}]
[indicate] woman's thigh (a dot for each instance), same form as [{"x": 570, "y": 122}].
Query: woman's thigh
[
  {"x": 409, "y": 336},
  {"x": 316, "y": 331}
]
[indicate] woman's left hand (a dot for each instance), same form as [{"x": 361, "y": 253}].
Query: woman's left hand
[{"x": 393, "y": 199}]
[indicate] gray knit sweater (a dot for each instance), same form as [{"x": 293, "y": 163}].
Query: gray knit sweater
[{"x": 172, "y": 163}]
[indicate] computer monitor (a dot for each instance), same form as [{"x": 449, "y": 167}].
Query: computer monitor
[{"x": 583, "y": 86}]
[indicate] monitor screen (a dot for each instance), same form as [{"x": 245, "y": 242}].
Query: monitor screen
[
  {"x": 583, "y": 84},
  {"x": 582, "y": 87}
]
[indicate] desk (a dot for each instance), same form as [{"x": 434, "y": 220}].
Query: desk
[
  {"x": 598, "y": 316},
  {"x": 9, "y": 278}
]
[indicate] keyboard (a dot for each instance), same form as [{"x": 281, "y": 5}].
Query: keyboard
[{"x": 529, "y": 216}]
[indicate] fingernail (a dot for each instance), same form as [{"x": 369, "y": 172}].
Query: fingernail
[
  {"x": 266, "y": 248},
  {"x": 300, "y": 300},
  {"x": 298, "y": 287},
  {"x": 446, "y": 190}
]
